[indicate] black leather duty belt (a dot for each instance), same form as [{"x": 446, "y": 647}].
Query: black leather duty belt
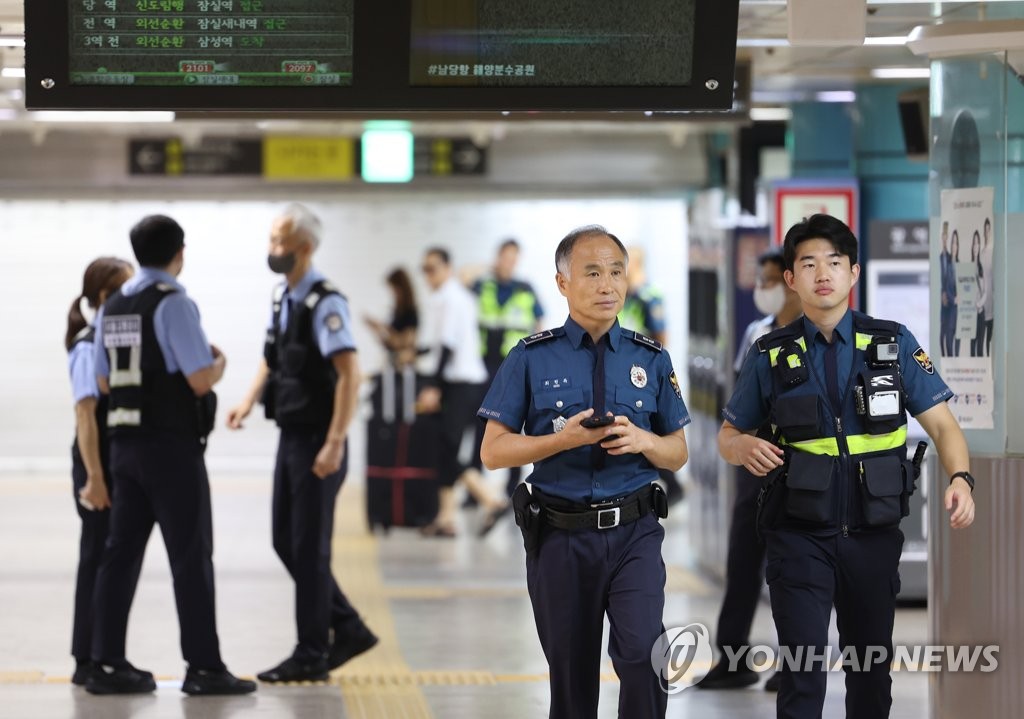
[{"x": 604, "y": 515}]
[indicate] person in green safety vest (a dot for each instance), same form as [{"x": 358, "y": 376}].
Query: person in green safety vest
[
  {"x": 644, "y": 312},
  {"x": 644, "y": 308},
  {"x": 508, "y": 310}
]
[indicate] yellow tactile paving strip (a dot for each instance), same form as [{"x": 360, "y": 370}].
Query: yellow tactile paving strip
[{"x": 380, "y": 683}]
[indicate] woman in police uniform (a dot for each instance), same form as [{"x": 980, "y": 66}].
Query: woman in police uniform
[{"x": 89, "y": 456}]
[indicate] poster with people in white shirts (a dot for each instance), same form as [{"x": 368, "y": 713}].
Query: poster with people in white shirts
[{"x": 966, "y": 292}]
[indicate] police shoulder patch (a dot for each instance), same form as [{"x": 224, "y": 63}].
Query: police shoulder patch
[
  {"x": 333, "y": 322},
  {"x": 923, "y": 360},
  {"x": 674, "y": 381},
  {"x": 644, "y": 340}
]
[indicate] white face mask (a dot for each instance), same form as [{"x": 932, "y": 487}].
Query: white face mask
[{"x": 770, "y": 301}]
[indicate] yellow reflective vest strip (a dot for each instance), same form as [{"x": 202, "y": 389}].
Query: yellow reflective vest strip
[
  {"x": 858, "y": 443},
  {"x": 773, "y": 353}
]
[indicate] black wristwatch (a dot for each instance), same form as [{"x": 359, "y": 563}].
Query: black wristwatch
[{"x": 966, "y": 476}]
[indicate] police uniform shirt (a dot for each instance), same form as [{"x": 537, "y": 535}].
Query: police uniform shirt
[
  {"x": 331, "y": 319},
  {"x": 749, "y": 406},
  {"x": 176, "y": 323},
  {"x": 549, "y": 377},
  {"x": 82, "y": 368}
]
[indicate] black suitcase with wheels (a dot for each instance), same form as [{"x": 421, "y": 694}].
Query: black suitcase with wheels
[{"x": 401, "y": 448}]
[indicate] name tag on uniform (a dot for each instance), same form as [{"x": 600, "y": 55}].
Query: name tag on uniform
[
  {"x": 122, "y": 331},
  {"x": 555, "y": 383}
]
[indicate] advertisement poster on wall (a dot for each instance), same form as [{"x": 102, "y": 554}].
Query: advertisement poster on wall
[{"x": 966, "y": 315}]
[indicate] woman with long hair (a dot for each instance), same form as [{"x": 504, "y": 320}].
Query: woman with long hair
[
  {"x": 103, "y": 277},
  {"x": 399, "y": 335}
]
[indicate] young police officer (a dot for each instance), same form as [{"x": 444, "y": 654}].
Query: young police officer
[
  {"x": 837, "y": 385},
  {"x": 593, "y": 504},
  {"x": 155, "y": 362},
  {"x": 309, "y": 383}
]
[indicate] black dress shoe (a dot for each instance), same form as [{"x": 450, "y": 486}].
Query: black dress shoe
[
  {"x": 119, "y": 679},
  {"x": 721, "y": 678},
  {"x": 293, "y": 670},
  {"x": 772, "y": 685},
  {"x": 349, "y": 644},
  {"x": 208, "y": 682},
  {"x": 83, "y": 670}
]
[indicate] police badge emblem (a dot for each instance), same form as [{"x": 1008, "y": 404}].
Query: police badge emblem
[
  {"x": 638, "y": 376},
  {"x": 923, "y": 360},
  {"x": 559, "y": 423}
]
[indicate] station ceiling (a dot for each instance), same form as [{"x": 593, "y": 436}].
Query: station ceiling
[{"x": 781, "y": 73}]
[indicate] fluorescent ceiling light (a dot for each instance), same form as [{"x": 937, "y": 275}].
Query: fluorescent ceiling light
[
  {"x": 901, "y": 73},
  {"x": 836, "y": 96},
  {"x": 886, "y": 40},
  {"x": 101, "y": 116},
  {"x": 771, "y": 114},
  {"x": 12, "y": 72},
  {"x": 11, "y": 41},
  {"x": 784, "y": 42}
]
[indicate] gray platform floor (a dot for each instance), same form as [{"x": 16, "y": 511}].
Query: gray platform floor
[{"x": 457, "y": 634}]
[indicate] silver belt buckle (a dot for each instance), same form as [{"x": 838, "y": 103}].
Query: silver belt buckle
[{"x": 608, "y": 518}]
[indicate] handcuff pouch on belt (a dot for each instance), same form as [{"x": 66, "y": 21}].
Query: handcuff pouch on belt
[{"x": 206, "y": 415}]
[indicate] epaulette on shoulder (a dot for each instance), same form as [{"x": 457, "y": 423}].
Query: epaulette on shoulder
[
  {"x": 648, "y": 342},
  {"x": 318, "y": 291},
  {"x": 543, "y": 336},
  {"x": 870, "y": 325},
  {"x": 784, "y": 334},
  {"x": 166, "y": 288}
]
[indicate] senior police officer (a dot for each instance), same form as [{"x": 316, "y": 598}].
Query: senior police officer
[
  {"x": 158, "y": 368},
  {"x": 592, "y": 535},
  {"x": 309, "y": 383},
  {"x": 837, "y": 385}
]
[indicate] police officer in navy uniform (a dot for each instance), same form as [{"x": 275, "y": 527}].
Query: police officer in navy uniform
[
  {"x": 308, "y": 381},
  {"x": 837, "y": 386},
  {"x": 598, "y": 549},
  {"x": 158, "y": 368}
]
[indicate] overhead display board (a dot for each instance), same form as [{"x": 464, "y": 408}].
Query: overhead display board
[
  {"x": 169, "y": 43},
  {"x": 398, "y": 55}
]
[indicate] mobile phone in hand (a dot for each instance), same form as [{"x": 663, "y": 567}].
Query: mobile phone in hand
[{"x": 595, "y": 421}]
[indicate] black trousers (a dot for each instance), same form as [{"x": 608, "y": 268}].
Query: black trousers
[
  {"x": 303, "y": 526},
  {"x": 859, "y": 575},
  {"x": 744, "y": 575},
  {"x": 459, "y": 403},
  {"x": 95, "y": 528},
  {"x": 577, "y": 577},
  {"x": 160, "y": 479}
]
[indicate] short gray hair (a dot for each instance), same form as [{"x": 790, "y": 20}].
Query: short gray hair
[
  {"x": 564, "y": 252},
  {"x": 304, "y": 222}
]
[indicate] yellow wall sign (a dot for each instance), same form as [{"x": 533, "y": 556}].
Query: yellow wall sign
[{"x": 308, "y": 158}]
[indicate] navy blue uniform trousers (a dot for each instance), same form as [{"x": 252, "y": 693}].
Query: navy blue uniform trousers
[
  {"x": 160, "y": 478},
  {"x": 95, "y": 528},
  {"x": 578, "y": 576},
  {"x": 744, "y": 564},
  {"x": 303, "y": 525},
  {"x": 859, "y": 574}
]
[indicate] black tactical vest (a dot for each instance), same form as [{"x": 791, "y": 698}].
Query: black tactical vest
[
  {"x": 300, "y": 388},
  {"x": 144, "y": 396}
]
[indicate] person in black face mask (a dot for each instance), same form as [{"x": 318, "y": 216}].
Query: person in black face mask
[{"x": 308, "y": 382}]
